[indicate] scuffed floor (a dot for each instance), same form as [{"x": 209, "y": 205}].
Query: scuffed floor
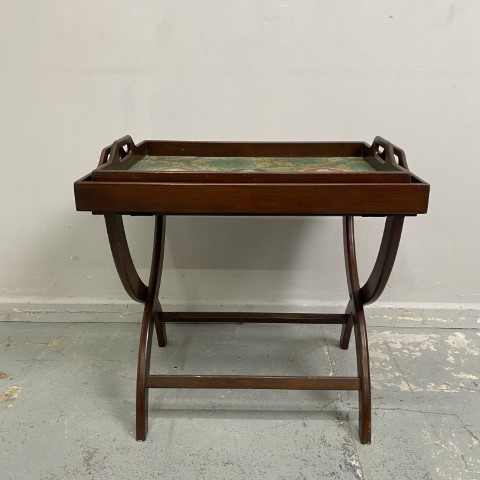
[{"x": 67, "y": 408}]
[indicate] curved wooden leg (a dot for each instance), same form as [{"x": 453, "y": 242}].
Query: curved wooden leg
[
  {"x": 382, "y": 269},
  {"x": 123, "y": 260},
  {"x": 358, "y": 318},
  {"x": 126, "y": 269},
  {"x": 151, "y": 316}
]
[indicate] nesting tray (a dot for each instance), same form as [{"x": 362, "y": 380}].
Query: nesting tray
[{"x": 326, "y": 178}]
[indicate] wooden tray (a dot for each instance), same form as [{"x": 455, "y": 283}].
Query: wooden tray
[{"x": 159, "y": 177}]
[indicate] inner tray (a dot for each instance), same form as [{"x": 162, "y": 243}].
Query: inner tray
[
  {"x": 219, "y": 162},
  {"x": 155, "y": 163}
]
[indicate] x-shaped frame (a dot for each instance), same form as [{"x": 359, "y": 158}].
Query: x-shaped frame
[{"x": 354, "y": 318}]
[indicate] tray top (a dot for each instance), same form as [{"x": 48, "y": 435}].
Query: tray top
[
  {"x": 157, "y": 177},
  {"x": 151, "y": 163}
]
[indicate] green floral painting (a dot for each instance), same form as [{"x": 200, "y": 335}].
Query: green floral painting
[{"x": 252, "y": 164}]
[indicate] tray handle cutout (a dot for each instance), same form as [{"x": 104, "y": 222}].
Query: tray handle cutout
[
  {"x": 388, "y": 152},
  {"x": 121, "y": 149},
  {"x": 105, "y": 155},
  {"x": 118, "y": 151}
]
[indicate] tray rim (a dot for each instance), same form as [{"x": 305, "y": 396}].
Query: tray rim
[
  {"x": 115, "y": 167},
  {"x": 178, "y": 198}
]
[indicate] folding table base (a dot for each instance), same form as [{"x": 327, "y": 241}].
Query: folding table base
[{"x": 354, "y": 318}]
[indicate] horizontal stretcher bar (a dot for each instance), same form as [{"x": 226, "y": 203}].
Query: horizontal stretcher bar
[
  {"x": 249, "y": 317},
  {"x": 253, "y": 382}
]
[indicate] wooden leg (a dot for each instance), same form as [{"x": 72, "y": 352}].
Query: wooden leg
[
  {"x": 151, "y": 316},
  {"x": 123, "y": 260},
  {"x": 382, "y": 269},
  {"x": 160, "y": 326},
  {"x": 158, "y": 253},
  {"x": 363, "y": 368},
  {"x": 126, "y": 269},
  {"x": 347, "y": 327},
  {"x": 357, "y": 314},
  {"x": 143, "y": 370}
]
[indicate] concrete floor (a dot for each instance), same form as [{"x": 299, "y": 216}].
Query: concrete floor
[{"x": 67, "y": 395}]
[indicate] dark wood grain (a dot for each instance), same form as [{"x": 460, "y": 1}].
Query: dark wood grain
[
  {"x": 250, "y": 317},
  {"x": 393, "y": 153},
  {"x": 382, "y": 269},
  {"x": 151, "y": 309},
  {"x": 249, "y": 199},
  {"x": 123, "y": 260},
  {"x": 361, "y": 343},
  {"x": 380, "y": 274},
  {"x": 253, "y": 382},
  {"x": 251, "y": 177}
]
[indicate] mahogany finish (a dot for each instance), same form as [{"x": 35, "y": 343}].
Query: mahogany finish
[
  {"x": 358, "y": 317},
  {"x": 151, "y": 314},
  {"x": 249, "y": 317},
  {"x": 123, "y": 261},
  {"x": 252, "y": 198},
  {"x": 259, "y": 382},
  {"x": 391, "y": 191}
]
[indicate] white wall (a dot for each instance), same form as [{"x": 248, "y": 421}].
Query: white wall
[{"x": 76, "y": 75}]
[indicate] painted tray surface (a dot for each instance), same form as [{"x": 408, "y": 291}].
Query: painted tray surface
[{"x": 150, "y": 163}]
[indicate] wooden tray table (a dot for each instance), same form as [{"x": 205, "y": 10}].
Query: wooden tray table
[{"x": 163, "y": 178}]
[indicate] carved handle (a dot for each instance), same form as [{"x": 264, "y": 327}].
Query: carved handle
[
  {"x": 117, "y": 151},
  {"x": 121, "y": 148},
  {"x": 104, "y": 156},
  {"x": 391, "y": 153}
]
